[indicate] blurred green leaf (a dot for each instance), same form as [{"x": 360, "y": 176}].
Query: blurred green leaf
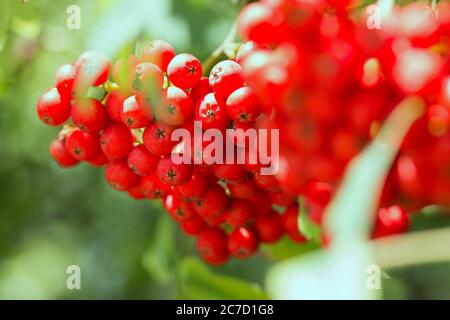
[
  {"x": 5, "y": 9},
  {"x": 200, "y": 283},
  {"x": 286, "y": 248},
  {"x": 307, "y": 227}
]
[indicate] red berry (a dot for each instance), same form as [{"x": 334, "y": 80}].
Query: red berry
[
  {"x": 114, "y": 105},
  {"x": 213, "y": 203},
  {"x": 317, "y": 196},
  {"x": 282, "y": 199},
  {"x": 89, "y": 115},
  {"x": 201, "y": 89},
  {"x": 152, "y": 187},
  {"x": 158, "y": 52},
  {"x": 226, "y": 77},
  {"x": 290, "y": 223},
  {"x": 82, "y": 145},
  {"x": 193, "y": 188},
  {"x": 212, "y": 113},
  {"x": 266, "y": 182},
  {"x": 242, "y": 242},
  {"x": 193, "y": 225},
  {"x": 116, "y": 142},
  {"x": 157, "y": 138},
  {"x": 135, "y": 192},
  {"x": 136, "y": 112},
  {"x": 239, "y": 134},
  {"x": 171, "y": 173},
  {"x": 261, "y": 203},
  {"x": 184, "y": 71},
  {"x": 212, "y": 246},
  {"x": 52, "y": 109},
  {"x": 142, "y": 162},
  {"x": 244, "y": 189},
  {"x": 175, "y": 106},
  {"x": 99, "y": 160},
  {"x": 178, "y": 209},
  {"x": 65, "y": 76},
  {"x": 92, "y": 69},
  {"x": 391, "y": 221},
  {"x": 147, "y": 78},
  {"x": 242, "y": 105},
  {"x": 59, "y": 152},
  {"x": 246, "y": 48},
  {"x": 229, "y": 172},
  {"x": 269, "y": 228},
  {"x": 122, "y": 70},
  {"x": 258, "y": 22},
  {"x": 239, "y": 213},
  {"x": 120, "y": 176}
]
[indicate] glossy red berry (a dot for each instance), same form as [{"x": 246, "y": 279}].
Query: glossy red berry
[
  {"x": 193, "y": 188},
  {"x": 282, "y": 199},
  {"x": 258, "y": 22},
  {"x": 201, "y": 89},
  {"x": 242, "y": 242},
  {"x": 135, "y": 192},
  {"x": 225, "y": 78},
  {"x": 173, "y": 174},
  {"x": 184, "y": 71},
  {"x": 212, "y": 246},
  {"x": 141, "y": 161},
  {"x": 99, "y": 160},
  {"x": 230, "y": 172},
  {"x": 65, "y": 76},
  {"x": 213, "y": 203},
  {"x": 119, "y": 175},
  {"x": 390, "y": 221},
  {"x": 266, "y": 182},
  {"x": 92, "y": 69},
  {"x": 82, "y": 145},
  {"x": 178, "y": 209},
  {"x": 269, "y": 228},
  {"x": 243, "y": 189},
  {"x": 290, "y": 222},
  {"x": 152, "y": 187},
  {"x": 242, "y": 105},
  {"x": 116, "y": 142},
  {"x": 59, "y": 152},
  {"x": 246, "y": 48},
  {"x": 114, "y": 104},
  {"x": 175, "y": 107},
  {"x": 136, "y": 112},
  {"x": 89, "y": 115},
  {"x": 193, "y": 225},
  {"x": 157, "y": 138},
  {"x": 211, "y": 111},
  {"x": 158, "y": 52},
  {"x": 239, "y": 213},
  {"x": 52, "y": 109}
]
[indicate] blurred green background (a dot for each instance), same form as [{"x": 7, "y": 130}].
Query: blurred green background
[{"x": 52, "y": 218}]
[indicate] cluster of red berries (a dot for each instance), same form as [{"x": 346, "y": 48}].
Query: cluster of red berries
[{"x": 314, "y": 74}]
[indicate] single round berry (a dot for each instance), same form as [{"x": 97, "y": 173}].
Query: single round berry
[
  {"x": 230, "y": 172},
  {"x": 157, "y": 138},
  {"x": 193, "y": 188},
  {"x": 141, "y": 161},
  {"x": 119, "y": 175},
  {"x": 213, "y": 203},
  {"x": 225, "y": 78},
  {"x": 178, "y": 209},
  {"x": 175, "y": 106},
  {"x": 282, "y": 199},
  {"x": 193, "y": 226},
  {"x": 116, "y": 142},
  {"x": 152, "y": 187},
  {"x": 212, "y": 113},
  {"x": 239, "y": 213},
  {"x": 114, "y": 104},
  {"x": 173, "y": 174},
  {"x": 242, "y": 242},
  {"x": 64, "y": 79},
  {"x": 89, "y": 115},
  {"x": 59, "y": 152},
  {"x": 269, "y": 228},
  {"x": 212, "y": 246},
  {"x": 258, "y": 22},
  {"x": 266, "y": 182},
  {"x": 243, "y": 105},
  {"x": 99, "y": 160},
  {"x": 290, "y": 223},
  {"x": 136, "y": 112},
  {"x": 82, "y": 145},
  {"x": 184, "y": 71},
  {"x": 52, "y": 109},
  {"x": 390, "y": 221},
  {"x": 135, "y": 192},
  {"x": 158, "y": 52},
  {"x": 147, "y": 78},
  {"x": 92, "y": 69},
  {"x": 243, "y": 189}
]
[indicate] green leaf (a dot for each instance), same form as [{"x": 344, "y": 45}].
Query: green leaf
[
  {"x": 5, "y": 9},
  {"x": 285, "y": 248},
  {"x": 306, "y": 226},
  {"x": 199, "y": 282}
]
